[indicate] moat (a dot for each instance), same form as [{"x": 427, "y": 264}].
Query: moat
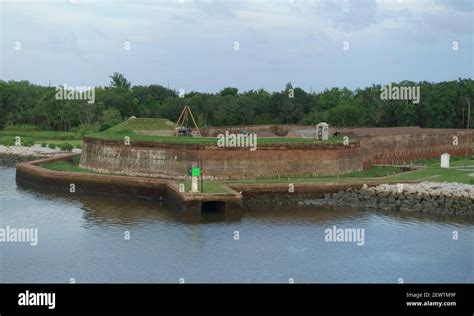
[{"x": 82, "y": 238}]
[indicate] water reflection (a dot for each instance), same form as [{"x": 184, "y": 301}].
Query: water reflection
[
  {"x": 100, "y": 210},
  {"x": 82, "y": 236},
  {"x": 104, "y": 210}
]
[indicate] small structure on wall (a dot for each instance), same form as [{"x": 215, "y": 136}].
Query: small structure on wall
[
  {"x": 322, "y": 131},
  {"x": 182, "y": 125},
  {"x": 445, "y": 160}
]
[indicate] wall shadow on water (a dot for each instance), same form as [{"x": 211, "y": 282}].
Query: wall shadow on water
[
  {"x": 285, "y": 214},
  {"x": 105, "y": 210},
  {"x": 423, "y": 217}
]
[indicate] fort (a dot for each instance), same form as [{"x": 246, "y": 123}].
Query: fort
[
  {"x": 153, "y": 163},
  {"x": 368, "y": 146}
]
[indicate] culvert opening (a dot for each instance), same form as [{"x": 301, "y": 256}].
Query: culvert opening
[{"x": 212, "y": 207}]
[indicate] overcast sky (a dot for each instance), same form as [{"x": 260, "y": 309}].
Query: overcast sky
[{"x": 191, "y": 45}]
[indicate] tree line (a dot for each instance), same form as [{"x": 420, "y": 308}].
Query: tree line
[{"x": 442, "y": 105}]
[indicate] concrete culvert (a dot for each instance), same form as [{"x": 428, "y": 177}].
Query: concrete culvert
[{"x": 212, "y": 207}]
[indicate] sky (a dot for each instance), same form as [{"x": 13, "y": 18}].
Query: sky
[{"x": 208, "y": 45}]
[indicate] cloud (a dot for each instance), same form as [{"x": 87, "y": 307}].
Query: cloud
[
  {"x": 460, "y": 5},
  {"x": 190, "y": 44},
  {"x": 350, "y": 15}
]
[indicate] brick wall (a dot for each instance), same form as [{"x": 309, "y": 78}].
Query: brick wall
[
  {"x": 173, "y": 160},
  {"x": 406, "y": 147},
  {"x": 30, "y": 174}
]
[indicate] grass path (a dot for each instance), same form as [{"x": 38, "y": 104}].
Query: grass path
[
  {"x": 376, "y": 173},
  {"x": 430, "y": 172},
  {"x": 209, "y": 186}
]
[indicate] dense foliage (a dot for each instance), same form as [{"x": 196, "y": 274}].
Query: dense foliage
[{"x": 31, "y": 107}]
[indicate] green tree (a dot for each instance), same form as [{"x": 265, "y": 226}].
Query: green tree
[
  {"x": 229, "y": 91},
  {"x": 118, "y": 80},
  {"x": 111, "y": 116}
]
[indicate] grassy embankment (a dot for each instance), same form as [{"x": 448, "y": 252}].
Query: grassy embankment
[
  {"x": 433, "y": 172},
  {"x": 429, "y": 170},
  {"x": 127, "y": 128},
  {"x": 69, "y": 166}
]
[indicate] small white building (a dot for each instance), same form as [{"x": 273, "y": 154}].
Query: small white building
[
  {"x": 322, "y": 131},
  {"x": 445, "y": 160}
]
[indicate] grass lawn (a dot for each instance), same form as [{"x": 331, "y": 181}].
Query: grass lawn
[
  {"x": 42, "y": 135},
  {"x": 11, "y": 140},
  {"x": 209, "y": 186},
  {"x": 371, "y": 174},
  {"x": 375, "y": 171},
  {"x": 454, "y": 161},
  {"x": 29, "y": 138},
  {"x": 431, "y": 172},
  {"x": 69, "y": 166},
  {"x": 436, "y": 174},
  {"x": 128, "y": 127},
  {"x": 112, "y": 135},
  {"x": 142, "y": 124}
]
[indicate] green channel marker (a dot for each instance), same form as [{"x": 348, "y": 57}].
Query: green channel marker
[{"x": 196, "y": 172}]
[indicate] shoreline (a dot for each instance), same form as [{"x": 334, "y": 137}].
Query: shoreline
[
  {"x": 425, "y": 197},
  {"x": 11, "y": 155},
  {"x": 416, "y": 196}
]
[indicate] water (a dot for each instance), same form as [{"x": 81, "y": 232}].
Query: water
[{"x": 83, "y": 238}]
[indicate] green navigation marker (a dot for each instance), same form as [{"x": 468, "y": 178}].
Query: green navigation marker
[{"x": 196, "y": 172}]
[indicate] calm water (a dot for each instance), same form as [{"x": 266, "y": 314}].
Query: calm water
[{"x": 83, "y": 238}]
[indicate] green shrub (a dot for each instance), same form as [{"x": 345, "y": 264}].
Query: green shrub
[
  {"x": 27, "y": 141},
  {"x": 79, "y": 146},
  {"x": 11, "y": 140},
  {"x": 7, "y": 141},
  {"x": 66, "y": 146},
  {"x": 44, "y": 145},
  {"x": 52, "y": 146}
]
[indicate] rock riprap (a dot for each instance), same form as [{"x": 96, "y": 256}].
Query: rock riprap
[
  {"x": 428, "y": 197},
  {"x": 11, "y": 155}
]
